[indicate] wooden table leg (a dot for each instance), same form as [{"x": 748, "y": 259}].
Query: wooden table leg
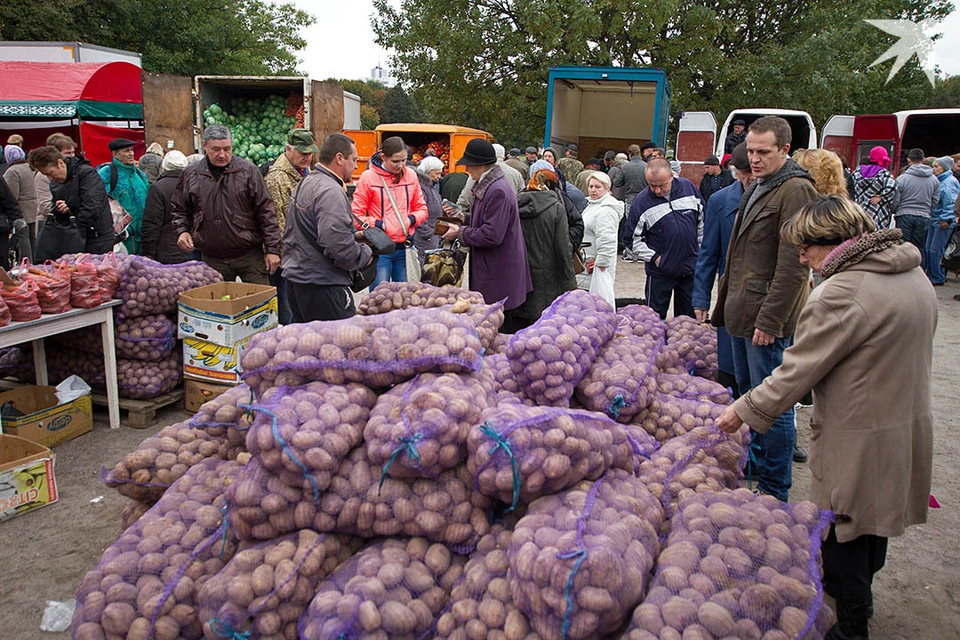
[
  {"x": 40, "y": 362},
  {"x": 110, "y": 369}
]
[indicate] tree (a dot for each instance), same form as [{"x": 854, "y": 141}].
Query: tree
[
  {"x": 369, "y": 118},
  {"x": 718, "y": 55},
  {"x": 398, "y": 106},
  {"x": 371, "y": 92},
  {"x": 244, "y": 37},
  {"x": 946, "y": 95}
]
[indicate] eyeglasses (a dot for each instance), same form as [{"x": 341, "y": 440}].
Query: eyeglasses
[{"x": 803, "y": 248}]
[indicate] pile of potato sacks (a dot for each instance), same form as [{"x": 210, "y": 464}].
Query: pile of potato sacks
[{"x": 409, "y": 473}]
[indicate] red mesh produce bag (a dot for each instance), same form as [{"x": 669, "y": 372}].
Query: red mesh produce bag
[
  {"x": 53, "y": 286},
  {"x": 21, "y": 300},
  {"x": 391, "y": 589},
  {"x": 550, "y": 358},
  {"x": 419, "y": 428},
  {"x": 5, "y": 317},
  {"x": 738, "y": 565},
  {"x": 580, "y": 559},
  {"x": 84, "y": 286}
]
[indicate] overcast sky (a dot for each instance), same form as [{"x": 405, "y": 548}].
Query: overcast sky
[{"x": 341, "y": 43}]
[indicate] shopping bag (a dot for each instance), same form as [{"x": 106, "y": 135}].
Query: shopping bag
[{"x": 601, "y": 283}]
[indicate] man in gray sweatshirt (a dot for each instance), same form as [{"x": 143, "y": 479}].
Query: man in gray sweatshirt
[{"x": 918, "y": 190}]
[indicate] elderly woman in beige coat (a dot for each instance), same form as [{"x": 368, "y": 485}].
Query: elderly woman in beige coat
[{"x": 864, "y": 344}]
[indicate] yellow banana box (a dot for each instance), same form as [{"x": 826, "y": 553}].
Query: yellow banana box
[
  {"x": 43, "y": 420},
  {"x": 211, "y": 362},
  {"x": 27, "y": 480}
]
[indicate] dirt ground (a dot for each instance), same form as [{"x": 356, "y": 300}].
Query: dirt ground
[{"x": 46, "y": 552}]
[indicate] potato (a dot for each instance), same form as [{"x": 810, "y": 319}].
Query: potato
[
  {"x": 551, "y": 357},
  {"x": 419, "y": 428},
  {"x": 670, "y": 416},
  {"x": 682, "y": 385},
  {"x": 622, "y": 380},
  {"x": 605, "y": 550},
  {"x": 693, "y": 345},
  {"x": 148, "y": 339},
  {"x": 148, "y": 287},
  {"x": 552, "y": 449},
  {"x": 135, "y": 379},
  {"x": 348, "y": 602},
  {"x": 641, "y": 321}
]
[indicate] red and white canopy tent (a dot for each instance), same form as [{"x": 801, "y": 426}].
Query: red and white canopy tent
[{"x": 92, "y": 102}]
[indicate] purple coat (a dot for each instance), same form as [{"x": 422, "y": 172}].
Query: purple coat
[{"x": 498, "y": 257}]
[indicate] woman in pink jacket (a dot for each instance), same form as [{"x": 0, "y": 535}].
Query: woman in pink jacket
[{"x": 388, "y": 196}]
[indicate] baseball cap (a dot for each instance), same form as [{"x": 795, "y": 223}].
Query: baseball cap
[{"x": 302, "y": 141}]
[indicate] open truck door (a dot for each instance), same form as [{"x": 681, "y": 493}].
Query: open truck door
[
  {"x": 837, "y": 136},
  {"x": 878, "y": 130},
  {"x": 696, "y": 139},
  {"x": 326, "y": 109},
  {"x": 367, "y": 142},
  {"x": 168, "y": 112}
]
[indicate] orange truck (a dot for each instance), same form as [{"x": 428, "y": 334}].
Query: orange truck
[{"x": 447, "y": 141}]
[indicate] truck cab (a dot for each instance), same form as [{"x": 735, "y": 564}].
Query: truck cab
[{"x": 936, "y": 131}]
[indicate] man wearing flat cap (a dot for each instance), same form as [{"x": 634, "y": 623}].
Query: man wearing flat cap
[
  {"x": 498, "y": 254},
  {"x": 282, "y": 180},
  {"x": 513, "y": 159},
  {"x": 532, "y": 155},
  {"x": 735, "y": 137},
  {"x": 714, "y": 178},
  {"x": 128, "y": 185}
]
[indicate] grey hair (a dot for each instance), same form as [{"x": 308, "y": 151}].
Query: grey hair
[
  {"x": 430, "y": 163},
  {"x": 216, "y": 132}
]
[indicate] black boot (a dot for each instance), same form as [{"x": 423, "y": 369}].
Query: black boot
[
  {"x": 870, "y": 607},
  {"x": 852, "y": 622},
  {"x": 799, "y": 454}
]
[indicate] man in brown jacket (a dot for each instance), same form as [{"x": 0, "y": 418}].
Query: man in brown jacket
[
  {"x": 764, "y": 287},
  {"x": 222, "y": 207}
]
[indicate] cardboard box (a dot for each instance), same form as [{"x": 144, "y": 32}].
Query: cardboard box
[
  {"x": 46, "y": 422},
  {"x": 199, "y": 392},
  {"x": 204, "y": 315},
  {"x": 212, "y": 362},
  {"x": 27, "y": 481}
]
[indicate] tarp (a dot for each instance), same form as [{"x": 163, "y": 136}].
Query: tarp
[
  {"x": 94, "y": 139},
  {"x": 84, "y": 90}
]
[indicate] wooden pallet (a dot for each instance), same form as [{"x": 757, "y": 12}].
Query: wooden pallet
[{"x": 140, "y": 413}]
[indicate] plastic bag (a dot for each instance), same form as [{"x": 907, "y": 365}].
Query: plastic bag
[
  {"x": 72, "y": 388},
  {"x": 84, "y": 286},
  {"x": 5, "y": 317},
  {"x": 378, "y": 351},
  {"x": 57, "y": 615},
  {"x": 21, "y": 300},
  {"x": 738, "y": 565},
  {"x": 419, "y": 428},
  {"x": 53, "y": 286},
  {"x": 416, "y": 577},
  {"x": 109, "y": 276},
  {"x": 580, "y": 559},
  {"x": 519, "y": 453},
  {"x": 550, "y": 357},
  {"x": 601, "y": 284},
  {"x": 622, "y": 380}
]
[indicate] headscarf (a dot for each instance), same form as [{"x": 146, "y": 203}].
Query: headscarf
[
  {"x": 543, "y": 179},
  {"x": 12, "y": 153},
  {"x": 878, "y": 155},
  {"x": 155, "y": 149}
]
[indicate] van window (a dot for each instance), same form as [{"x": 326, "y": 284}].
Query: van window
[
  {"x": 799, "y": 128},
  {"x": 937, "y": 134}
]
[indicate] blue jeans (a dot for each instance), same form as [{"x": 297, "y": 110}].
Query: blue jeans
[
  {"x": 774, "y": 452},
  {"x": 936, "y": 244},
  {"x": 391, "y": 268}
]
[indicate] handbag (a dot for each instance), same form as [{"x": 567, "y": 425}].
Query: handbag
[
  {"x": 444, "y": 266},
  {"x": 580, "y": 259},
  {"x": 362, "y": 277},
  {"x": 951, "y": 254},
  {"x": 58, "y": 238}
]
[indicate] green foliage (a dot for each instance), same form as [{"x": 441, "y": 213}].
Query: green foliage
[
  {"x": 372, "y": 94},
  {"x": 484, "y": 63},
  {"x": 946, "y": 95},
  {"x": 398, "y": 106},
  {"x": 243, "y": 37},
  {"x": 369, "y": 118}
]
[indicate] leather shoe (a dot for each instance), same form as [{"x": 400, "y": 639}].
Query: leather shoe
[{"x": 799, "y": 454}]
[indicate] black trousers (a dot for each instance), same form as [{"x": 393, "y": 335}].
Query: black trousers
[
  {"x": 660, "y": 289},
  {"x": 849, "y": 567},
  {"x": 309, "y": 302}
]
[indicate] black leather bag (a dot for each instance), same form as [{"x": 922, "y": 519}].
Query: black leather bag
[
  {"x": 58, "y": 237},
  {"x": 378, "y": 239}
]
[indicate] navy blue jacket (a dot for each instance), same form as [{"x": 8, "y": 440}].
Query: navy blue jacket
[{"x": 671, "y": 227}]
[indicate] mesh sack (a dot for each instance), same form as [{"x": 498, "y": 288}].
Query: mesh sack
[
  {"x": 393, "y": 296},
  {"x": 363, "y": 502},
  {"x": 622, "y": 380},
  {"x": 84, "y": 286},
  {"x": 147, "y": 338},
  {"x": 418, "y": 428},
  {"x": 499, "y": 344},
  {"x": 520, "y": 453},
  {"x": 162, "y": 459},
  {"x": 391, "y": 589},
  {"x": 379, "y": 351},
  {"x": 481, "y": 605},
  {"x": 580, "y": 559},
  {"x": 505, "y": 386},
  {"x": 21, "y": 301},
  {"x": 304, "y": 433},
  {"x": 550, "y": 357},
  {"x": 643, "y": 322},
  {"x": 223, "y": 417},
  {"x": 695, "y": 345},
  {"x": 265, "y": 588},
  {"x": 669, "y": 416},
  {"x": 17, "y": 362},
  {"x": 738, "y": 565},
  {"x": 132, "y": 512},
  {"x": 683, "y": 385},
  {"x": 53, "y": 286},
  {"x": 135, "y": 379},
  {"x": 146, "y": 582},
  {"x": 148, "y": 287}
]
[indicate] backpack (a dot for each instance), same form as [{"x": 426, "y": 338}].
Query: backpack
[{"x": 114, "y": 175}]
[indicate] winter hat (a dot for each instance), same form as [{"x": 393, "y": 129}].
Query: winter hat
[
  {"x": 878, "y": 155},
  {"x": 946, "y": 162},
  {"x": 478, "y": 152},
  {"x": 531, "y": 150},
  {"x": 12, "y": 153},
  {"x": 712, "y": 161},
  {"x": 726, "y": 158},
  {"x": 739, "y": 157},
  {"x": 499, "y": 151},
  {"x": 194, "y": 158},
  {"x": 156, "y": 149},
  {"x": 174, "y": 161},
  {"x": 556, "y": 156}
]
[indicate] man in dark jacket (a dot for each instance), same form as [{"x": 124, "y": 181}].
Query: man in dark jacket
[
  {"x": 513, "y": 159},
  {"x": 320, "y": 247},
  {"x": 667, "y": 217},
  {"x": 222, "y": 207},
  {"x": 764, "y": 287},
  {"x": 714, "y": 178},
  {"x": 158, "y": 237},
  {"x": 76, "y": 192},
  {"x": 735, "y": 137}
]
